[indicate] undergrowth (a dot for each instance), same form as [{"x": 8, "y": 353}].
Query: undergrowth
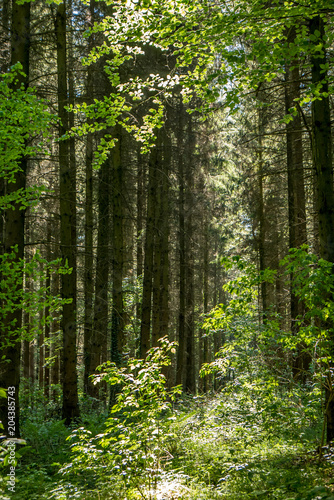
[{"x": 249, "y": 441}]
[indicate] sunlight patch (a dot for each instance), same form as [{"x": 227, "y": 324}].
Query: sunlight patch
[{"x": 170, "y": 487}]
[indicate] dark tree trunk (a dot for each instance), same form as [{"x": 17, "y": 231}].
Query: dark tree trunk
[
  {"x": 190, "y": 381},
  {"x": 161, "y": 236},
  {"x": 181, "y": 353},
  {"x": 55, "y": 327},
  {"x": 26, "y": 315},
  {"x": 296, "y": 195},
  {"x": 164, "y": 242},
  {"x": 117, "y": 313},
  {"x": 100, "y": 323},
  {"x": 41, "y": 347},
  {"x": 145, "y": 332},
  {"x": 67, "y": 231},
  {"x": 139, "y": 232},
  {"x": 47, "y": 328},
  {"x": 261, "y": 217},
  {"x": 13, "y": 230},
  {"x": 322, "y": 161},
  {"x": 32, "y": 362},
  {"x": 205, "y": 343},
  {"x": 5, "y": 62},
  {"x": 157, "y": 246}
]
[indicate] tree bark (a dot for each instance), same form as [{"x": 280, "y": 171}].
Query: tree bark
[
  {"x": 157, "y": 247},
  {"x": 117, "y": 313},
  {"x": 323, "y": 165},
  {"x": 261, "y": 244},
  {"x": 205, "y": 343},
  {"x": 165, "y": 205},
  {"x": 190, "y": 382},
  {"x": 13, "y": 230},
  {"x": 47, "y": 328},
  {"x": 181, "y": 353},
  {"x": 89, "y": 258},
  {"x": 139, "y": 234},
  {"x": 100, "y": 323},
  {"x": 296, "y": 196},
  {"x": 67, "y": 230},
  {"x": 54, "y": 332},
  {"x": 145, "y": 332}
]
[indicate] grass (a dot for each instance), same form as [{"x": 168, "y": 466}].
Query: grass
[
  {"x": 240, "y": 453},
  {"x": 241, "y": 444}
]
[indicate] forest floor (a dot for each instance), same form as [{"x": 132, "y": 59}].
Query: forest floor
[{"x": 247, "y": 442}]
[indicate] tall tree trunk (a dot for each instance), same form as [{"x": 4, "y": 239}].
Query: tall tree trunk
[
  {"x": 32, "y": 362},
  {"x": 41, "y": 345},
  {"x": 323, "y": 165},
  {"x": 190, "y": 382},
  {"x": 261, "y": 244},
  {"x": 145, "y": 332},
  {"x": 5, "y": 35},
  {"x": 181, "y": 353},
  {"x": 205, "y": 343},
  {"x": 296, "y": 195},
  {"x": 157, "y": 248},
  {"x": 14, "y": 225},
  {"x": 164, "y": 278},
  {"x": 117, "y": 314},
  {"x": 100, "y": 323},
  {"x": 47, "y": 314},
  {"x": 88, "y": 262},
  {"x": 139, "y": 231},
  {"x": 26, "y": 316},
  {"x": 67, "y": 231},
  {"x": 54, "y": 333},
  {"x": 89, "y": 258},
  {"x": 5, "y": 61}
]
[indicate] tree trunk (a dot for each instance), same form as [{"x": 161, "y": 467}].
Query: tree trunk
[
  {"x": 55, "y": 327},
  {"x": 164, "y": 279},
  {"x": 41, "y": 346},
  {"x": 117, "y": 314},
  {"x": 89, "y": 258},
  {"x": 205, "y": 343},
  {"x": 296, "y": 196},
  {"x": 157, "y": 248},
  {"x": 47, "y": 328},
  {"x": 139, "y": 233},
  {"x": 67, "y": 231},
  {"x": 322, "y": 161},
  {"x": 181, "y": 353},
  {"x": 261, "y": 244},
  {"x": 190, "y": 383},
  {"x": 100, "y": 323},
  {"x": 145, "y": 332},
  {"x": 14, "y": 226}
]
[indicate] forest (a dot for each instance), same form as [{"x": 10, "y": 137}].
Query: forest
[{"x": 166, "y": 250}]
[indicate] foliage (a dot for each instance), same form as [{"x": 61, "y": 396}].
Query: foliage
[
  {"x": 313, "y": 283},
  {"x": 130, "y": 447},
  {"x": 36, "y": 406},
  {"x": 12, "y": 296},
  {"x": 221, "y": 52},
  {"x": 24, "y": 122},
  {"x": 24, "y": 126},
  {"x": 252, "y": 440},
  {"x": 242, "y": 443},
  {"x": 247, "y": 336}
]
